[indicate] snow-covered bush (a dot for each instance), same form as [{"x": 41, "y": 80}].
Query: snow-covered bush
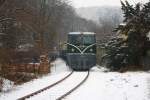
[
  {"x": 130, "y": 49},
  {"x": 116, "y": 54}
]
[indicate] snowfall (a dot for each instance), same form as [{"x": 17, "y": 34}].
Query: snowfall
[{"x": 101, "y": 85}]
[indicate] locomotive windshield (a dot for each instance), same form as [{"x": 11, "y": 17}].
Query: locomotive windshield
[
  {"x": 88, "y": 39},
  {"x": 81, "y": 39},
  {"x": 75, "y": 39}
]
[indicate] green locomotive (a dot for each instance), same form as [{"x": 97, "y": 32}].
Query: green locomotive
[{"x": 81, "y": 50}]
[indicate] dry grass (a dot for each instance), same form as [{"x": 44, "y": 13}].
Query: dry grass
[{"x": 132, "y": 68}]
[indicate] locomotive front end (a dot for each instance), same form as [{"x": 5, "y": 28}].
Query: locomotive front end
[{"x": 81, "y": 50}]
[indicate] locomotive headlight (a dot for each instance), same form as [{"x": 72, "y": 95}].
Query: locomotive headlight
[
  {"x": 72, "y": 50},
  {"x": 91, "y": 50}
]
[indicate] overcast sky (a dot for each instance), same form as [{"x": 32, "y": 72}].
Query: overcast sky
[{"x": 89, "y": 3}]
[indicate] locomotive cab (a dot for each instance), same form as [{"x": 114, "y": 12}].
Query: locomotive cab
[{"x": 81, "y": 50}]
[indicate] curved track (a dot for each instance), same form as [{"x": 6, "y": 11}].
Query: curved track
[
  {"x": 63, "y": 95},
  {"x": 73, "y": 89},
  {"x": 48, "y": 87}
]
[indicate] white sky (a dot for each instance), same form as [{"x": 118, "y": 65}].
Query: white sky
[{"x": 89, "y": 3}]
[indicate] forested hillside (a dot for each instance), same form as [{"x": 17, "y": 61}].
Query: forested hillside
[
  {"x": 107, "y": 17},
  {"x": 30, "y": 28}
]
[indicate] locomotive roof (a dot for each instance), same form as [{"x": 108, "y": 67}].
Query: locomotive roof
[{"x": 82, "y": 33}]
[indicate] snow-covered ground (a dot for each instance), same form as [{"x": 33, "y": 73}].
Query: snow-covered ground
[
  {"x": 7, "y": 85},
  {"x": 113, "y": 86},
  {"x": 99, "y": 86}
]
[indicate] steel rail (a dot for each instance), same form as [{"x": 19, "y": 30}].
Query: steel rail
[
  {"x": 73, "y": 89},
  {"x": 43, "y": 89}
]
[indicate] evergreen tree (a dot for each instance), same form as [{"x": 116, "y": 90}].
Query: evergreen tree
[{"x": 129, "y": 51}]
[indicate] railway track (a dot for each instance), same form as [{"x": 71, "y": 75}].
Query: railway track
[
  {"x": 48, "y": 87},
  {"x": 60, "y": 97},
  {"x": 73, "y": 89}
]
